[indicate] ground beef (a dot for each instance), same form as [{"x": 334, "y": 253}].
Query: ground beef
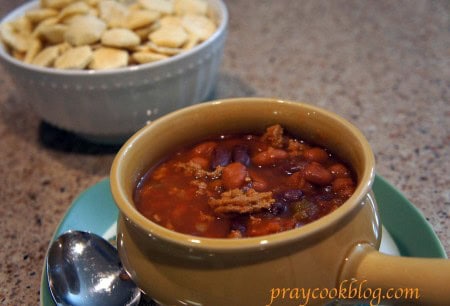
[{"x": 240, "y": 201}]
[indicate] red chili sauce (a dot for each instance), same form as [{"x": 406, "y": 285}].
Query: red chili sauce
[{"x": 244, "y": 185}]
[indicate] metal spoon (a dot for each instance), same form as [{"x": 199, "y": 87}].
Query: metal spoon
[{"x": 84, "y": 269}]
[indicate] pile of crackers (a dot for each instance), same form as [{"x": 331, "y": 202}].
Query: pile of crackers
[{"x": 106, "y": 34}]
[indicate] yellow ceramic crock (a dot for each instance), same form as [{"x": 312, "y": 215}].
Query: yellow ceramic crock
[{"x": 329, "y": 259}]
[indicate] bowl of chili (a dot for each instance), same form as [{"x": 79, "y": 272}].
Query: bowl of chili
[{"x": 236, "y": 200}]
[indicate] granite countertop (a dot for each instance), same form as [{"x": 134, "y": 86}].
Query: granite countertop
[{"x": 383, "y": 65}]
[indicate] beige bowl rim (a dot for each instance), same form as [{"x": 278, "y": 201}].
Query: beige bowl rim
[{"x": 350, "y": 207}]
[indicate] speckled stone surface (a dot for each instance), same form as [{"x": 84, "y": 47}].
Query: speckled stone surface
[{"x": 383, "y": 65}]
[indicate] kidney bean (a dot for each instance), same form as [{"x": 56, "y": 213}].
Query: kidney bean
[
  {"x": 273, "y": 226},
  {"x": 315, "y": 154},
  {"x": 259, "y": 184},
  {"x": 317, "y": 174},
  {"x": 341, "y": 183},
  {"x": 278, "y": 208},
  {"x": 292, "y": 195},
  {"x": 240, "y": 155},
  {"x": 233, "y": 175},
  {"x": 259, "y": 226},
  {"x": 239, "y": 223},
  {"x": 205, "y": 148},
  {"x": 339, "y": 170},
  {"x": 325, "y": 197},
  {"x": 268, "y": 157},
  {"x": 220, "y": 157},
  {"x": 294, "y": 164},
  {"x": 343, "y": 186},
  {"x": 307, "y": 187},
  {"x": 297, "y": 181}
]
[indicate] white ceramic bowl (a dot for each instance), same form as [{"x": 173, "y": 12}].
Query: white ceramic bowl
[{"x": 108, "y": 106}]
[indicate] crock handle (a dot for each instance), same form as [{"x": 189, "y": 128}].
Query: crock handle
[{"x": 421, "y": 281}]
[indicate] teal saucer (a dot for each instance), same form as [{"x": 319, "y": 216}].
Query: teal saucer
[{"x": 94, "y": 210}]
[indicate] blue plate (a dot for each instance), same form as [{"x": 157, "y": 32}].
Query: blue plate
[{"x": 95, "y": 211}]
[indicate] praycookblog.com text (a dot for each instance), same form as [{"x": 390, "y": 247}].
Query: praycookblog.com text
[{"x": 347, "y": 290}]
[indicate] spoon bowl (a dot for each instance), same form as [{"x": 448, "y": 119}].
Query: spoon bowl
[{"x": 84, "y": 269}]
